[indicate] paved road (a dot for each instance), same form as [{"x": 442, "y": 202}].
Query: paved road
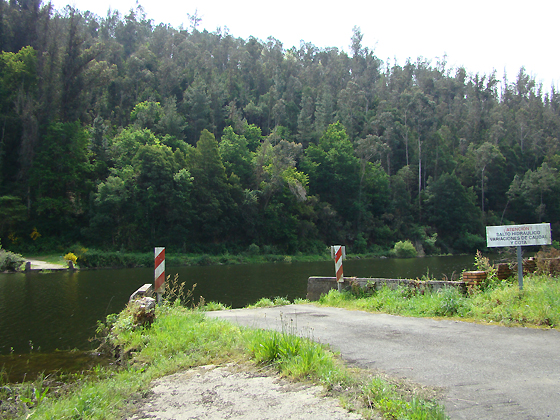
[{"x": 488, "y": 372}]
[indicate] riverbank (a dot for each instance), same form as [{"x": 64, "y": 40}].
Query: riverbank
[
  {"x": 95, "y": 258},
  {"x": 105, "y": 259},
  {"x": 181, "y": 340}
]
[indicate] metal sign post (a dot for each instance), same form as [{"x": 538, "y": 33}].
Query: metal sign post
[
  {"x": 159, "y": 275},
  {"x": 338, "y": 253},
  {"x": 518, "y": 236},
  {"x": 519, "y": 268}
]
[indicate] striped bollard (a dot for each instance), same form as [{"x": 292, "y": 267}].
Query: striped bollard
[
  {"x": 338, "y": 253},
  {"x": 159, "y": 282}
]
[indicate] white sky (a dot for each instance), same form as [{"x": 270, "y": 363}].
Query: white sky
[{"x": 481, "y": 35}]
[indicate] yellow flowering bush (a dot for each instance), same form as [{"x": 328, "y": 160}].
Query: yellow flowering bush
[{"x": 71, "y": 257}]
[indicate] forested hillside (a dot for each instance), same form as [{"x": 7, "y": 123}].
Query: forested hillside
[{"x": 120, "y": 133}]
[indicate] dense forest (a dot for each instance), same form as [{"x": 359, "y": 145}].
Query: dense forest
[{"x": 120, "y": 133}]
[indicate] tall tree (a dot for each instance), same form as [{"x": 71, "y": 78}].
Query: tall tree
[{"x": 484, "y": 156}]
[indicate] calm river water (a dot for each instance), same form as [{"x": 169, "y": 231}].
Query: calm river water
[{"x": 59, "y": 310}]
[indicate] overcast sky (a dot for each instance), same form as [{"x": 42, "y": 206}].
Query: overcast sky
[{"x": 481, "y": 35}]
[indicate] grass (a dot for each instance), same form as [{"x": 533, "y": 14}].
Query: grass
[
  {"x": 267, "y": 302},
  {"x": 50, "y": 258},
  {"x": 182, "y": 338},
  {"x": 497, "y": 302},
  {"x": 391, "y": 402}
]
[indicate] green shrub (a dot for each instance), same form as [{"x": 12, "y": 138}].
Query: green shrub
[
  {"x": 404, "y": 249},
  {"x": 204, "y": 259},
  {"x": 360, "y": 244},
  {"x": 100, "y": 259},
  {"x": 253, "y": 249},
  {"x": 10, "y": 261}
]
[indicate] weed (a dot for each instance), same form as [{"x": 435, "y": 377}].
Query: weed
[
  {"x": 300, "y": 301},
  {"x": 214, "y": 306},
  {"x": 262, "y": 303},
  {"x": 175, "y": 291},
  {"x": 386, "y": 398},
  {"x": 482, "y": 263},
  {"x": 281, "y": 301},
  {"x": 450, "y": 300},
  {"x": 267, "y": 302}
]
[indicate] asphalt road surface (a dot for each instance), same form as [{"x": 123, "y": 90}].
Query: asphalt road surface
[{"x": 487, "y": 372}]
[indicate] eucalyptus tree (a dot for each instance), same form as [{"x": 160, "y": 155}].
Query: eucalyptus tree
[
  {"x": 534, "y": 195},
  {"x": 451, "y": 209},
  {"x": 334, "y": 175},
  {"x": 423, "y": 122},
  {"x": 484, "y": 155}
]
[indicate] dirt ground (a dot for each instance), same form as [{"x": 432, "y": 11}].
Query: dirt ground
[
  {"x": 42, "y": 265},
  {"x": 236, "y": 392}
]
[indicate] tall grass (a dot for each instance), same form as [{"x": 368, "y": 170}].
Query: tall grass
[
  {"x": 387, "y": 399},
  {"x": 499, "y": 301}
]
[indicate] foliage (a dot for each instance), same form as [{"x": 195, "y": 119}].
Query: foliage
[
  {"x": 102, "y": 259},
  {"x": 120, "y": 133},
  {"x": 10, "y": 261},
  {"x": 548, "y": 261},
  {"x": 215, "y": 306},
  {"x": 385, "y": 398},
  {"x": 71, "y": 257},
  {"x": 404, "y": 249},
  {"x": 482, "y": 263},
  {"x": 12, "y": 214}
]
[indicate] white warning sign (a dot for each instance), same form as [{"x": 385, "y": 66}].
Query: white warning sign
[{"x": 518, "y": 235}]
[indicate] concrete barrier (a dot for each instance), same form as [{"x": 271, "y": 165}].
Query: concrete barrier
[
  {"x": 145, "y": 291},
  {"x": 317, "y": 286}
]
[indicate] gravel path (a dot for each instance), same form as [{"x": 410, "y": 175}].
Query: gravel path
[
  {"x": 42, "y": 265},
  {"x": 236, "y": 392}
]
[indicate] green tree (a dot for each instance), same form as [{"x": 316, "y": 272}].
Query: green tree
[
  {"x": 451, "y": 210},
  {"x": 153, "y": 191},
  {"x": 197, "y": 107},
  {"x": 215, "y": 210},
  {"x": 18, "y": 114},
  {"x": 60, "y": 178},
  {"x": 286, "y": 215},
  {"x": 334, "y": 173},
  {"x": 12, "y": 214},
  {"x": 535, "y": 195},
  {"x": 237, "y": 159},
  {"x": 112, "y": 219},
  {"x": 484, "y": 156}
]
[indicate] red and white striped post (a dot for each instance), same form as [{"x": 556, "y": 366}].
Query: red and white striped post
[
  {"x": 159, "y": 282},
  {"x": 338, "y": 253}
]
